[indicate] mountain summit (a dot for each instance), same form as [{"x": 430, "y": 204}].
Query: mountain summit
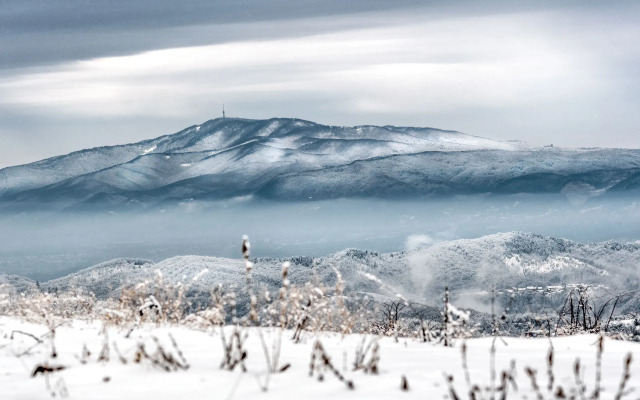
[{"x": 292, "y": 159}]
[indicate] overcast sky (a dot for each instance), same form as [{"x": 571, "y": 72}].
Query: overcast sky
[{"x": 84, "y": 73}]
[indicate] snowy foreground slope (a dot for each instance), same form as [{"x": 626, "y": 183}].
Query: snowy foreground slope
[
  {"x": 130, "y": 328},
  {"x": 423, "y": 365},
  {"x": 290, "y": 159}
]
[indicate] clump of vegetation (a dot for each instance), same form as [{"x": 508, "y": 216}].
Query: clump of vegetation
[
  {"x": 579, "y": 389},
  {"x": 367, "y": 356},
  {"x": 321, "y": 362}
]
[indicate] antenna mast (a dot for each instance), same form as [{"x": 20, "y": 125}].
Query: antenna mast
[{"x": 223, "y": 114}]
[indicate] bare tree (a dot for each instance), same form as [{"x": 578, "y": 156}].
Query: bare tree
[
  {"x": 390, "y": 312},
  {"x": 580, "y": 312}
]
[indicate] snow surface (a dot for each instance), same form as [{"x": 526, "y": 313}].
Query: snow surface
[{"x": 423, "y": 364}]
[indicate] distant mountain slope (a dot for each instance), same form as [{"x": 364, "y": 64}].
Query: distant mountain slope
[
  {"x": 20, "y": 284},
  {"x": 108, "y": 278},
  {"x": 464, "y": 172},
  {"x": 522, "y": 259},
  {"x": 105, "y": 279},
  {"x": 504, "y": 261},
  {"x": 289, "y": 159}
]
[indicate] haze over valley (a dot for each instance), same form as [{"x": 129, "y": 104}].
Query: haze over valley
[{"x": 300, "y": 188}]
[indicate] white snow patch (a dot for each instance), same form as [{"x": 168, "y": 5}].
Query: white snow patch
[
  {"x": 523, "y": 266},
  {"x": 149, "y": 150}
]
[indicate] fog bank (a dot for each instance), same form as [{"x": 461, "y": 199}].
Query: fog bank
[{"x": 48, "y": 245}]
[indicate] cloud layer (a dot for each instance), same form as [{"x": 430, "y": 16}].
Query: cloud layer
[{"x": 566, "y": 75}]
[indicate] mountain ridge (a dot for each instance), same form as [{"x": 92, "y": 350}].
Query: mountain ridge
[{"x": 293, "y": 159}]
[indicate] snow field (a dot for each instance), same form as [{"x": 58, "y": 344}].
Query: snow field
[{"x": 423, "y": 364}]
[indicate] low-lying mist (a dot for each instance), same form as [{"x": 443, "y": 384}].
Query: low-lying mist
[{"x": 48, "y": 245}]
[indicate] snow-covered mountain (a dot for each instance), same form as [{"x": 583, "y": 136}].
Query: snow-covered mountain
[
  {"x": 287, "y": 159},
  {"x": 515, "y": 259},
  {"x": 526, "y": 262}
]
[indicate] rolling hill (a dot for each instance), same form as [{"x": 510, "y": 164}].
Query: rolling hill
[{"x": 537, "y": 267}]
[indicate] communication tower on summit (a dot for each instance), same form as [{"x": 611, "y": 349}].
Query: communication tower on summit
[{"x": 223, "y": 114}]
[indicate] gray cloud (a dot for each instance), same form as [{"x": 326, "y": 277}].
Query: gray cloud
[
  {"x": 38, "y": 32},
  {"x": 48, "y": 31},
  {"x": 77, "y": 74}
]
